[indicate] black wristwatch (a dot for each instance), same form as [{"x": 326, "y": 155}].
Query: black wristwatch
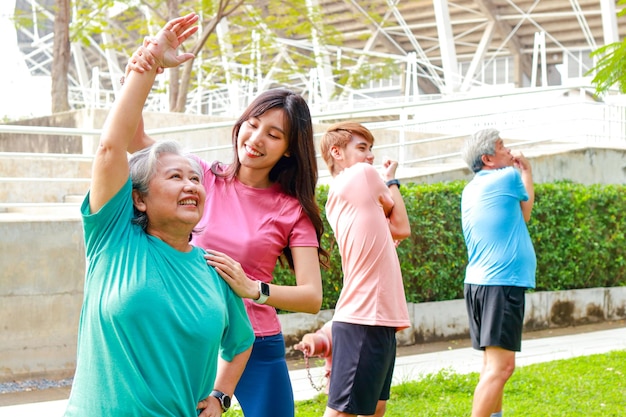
[
  {"x": 223, "y": 398},
  {"x": 393, "y": 182}
]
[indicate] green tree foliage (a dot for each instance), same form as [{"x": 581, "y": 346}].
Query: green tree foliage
[
  {"x": 610, "y": 69},
  {"x": 266, "y": 42}
]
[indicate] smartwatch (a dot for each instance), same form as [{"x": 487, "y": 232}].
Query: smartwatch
[
  {"x": 223, "y": 399},
  {"x": 393, "y": 182},
  {"x": 264, "y": 291}
]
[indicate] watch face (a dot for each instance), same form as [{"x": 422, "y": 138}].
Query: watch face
[
  {"x": 265, "y": 289},
  {"x": 223, "y": 398}
]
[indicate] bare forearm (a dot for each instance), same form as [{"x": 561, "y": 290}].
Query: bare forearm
[
  {"x": 141, "y": 139},
  {"x": 229, "y": 373},
  {"x": 125, "y": 118},
  {"x": 306, "y": 295},
  {"x": 296, "y": 298},
  {"x": 110, "y": 167},
  {"x": 527, "y": 206},
  {"x": 399, "y": 224}
]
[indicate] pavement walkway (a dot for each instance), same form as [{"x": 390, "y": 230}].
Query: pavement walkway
[{"x": 413, "y": 367}]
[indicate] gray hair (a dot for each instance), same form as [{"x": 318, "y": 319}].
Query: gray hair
[
  {"x": 480, "y": 143},
  {"x": 143, "y": 167}
]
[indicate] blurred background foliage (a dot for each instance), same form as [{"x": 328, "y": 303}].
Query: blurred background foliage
[{"x": 578, "y": 232}]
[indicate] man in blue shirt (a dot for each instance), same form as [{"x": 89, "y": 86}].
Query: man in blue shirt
[{"x": 495, "y": 206}]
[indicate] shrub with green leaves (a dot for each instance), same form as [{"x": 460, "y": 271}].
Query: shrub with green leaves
[{"x": 577, "y": 231}]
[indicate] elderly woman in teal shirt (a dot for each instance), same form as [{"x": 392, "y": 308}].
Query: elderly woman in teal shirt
[{"x": 160, "y": 331}]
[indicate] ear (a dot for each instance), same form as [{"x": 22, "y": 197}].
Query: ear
[
  {"x": 287, "y": 154},
  {"x": 487, "y": 162},
  {"x": 138, "y": 201},
  {"x": 335, "y": 152}
]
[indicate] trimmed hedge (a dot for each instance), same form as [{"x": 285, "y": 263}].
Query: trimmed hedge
[{"x": 577, "y": 231}]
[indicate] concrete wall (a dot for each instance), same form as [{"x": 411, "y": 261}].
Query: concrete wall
[
  {"x": 48, "y": 179},
  {"x": 56, "y": 178},
  {"x": 15, "y": 142},
  {"x": 584, "y": 164},
  {"x": 41, "y": 283},
  {"x": 195, "y": 137},
  {"x": 42, "y": 178},
  {"x": 446, "y": 320},
  {"x": 88, "y": 119}
]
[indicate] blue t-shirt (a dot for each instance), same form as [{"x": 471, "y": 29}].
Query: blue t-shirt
[
  {"x": 153, "y": 321},
  {"x": 499, "y": 248}
]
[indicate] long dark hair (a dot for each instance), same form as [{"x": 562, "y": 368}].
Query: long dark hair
[{"x": 297, "y": 175}]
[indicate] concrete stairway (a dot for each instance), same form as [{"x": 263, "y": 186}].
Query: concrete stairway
[
  {"x": 46, "y": 184},
  {"x": 55, "y": 184}
]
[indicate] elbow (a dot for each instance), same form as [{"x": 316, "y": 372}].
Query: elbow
[
  {"x": 314, "y": 310},
  {"x": 401, "y": 233},
  {"x": 314, "y": 305},
  {"x": 526, "y": 214}
]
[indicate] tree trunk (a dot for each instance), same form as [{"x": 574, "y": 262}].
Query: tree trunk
[
  {"x": 61, "y": 57},
  {"x": 174, "y": 73},
  {"x": 187, "y": 71}
]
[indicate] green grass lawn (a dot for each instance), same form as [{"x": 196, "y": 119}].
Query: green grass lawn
[{"x": 584, "y": 386}]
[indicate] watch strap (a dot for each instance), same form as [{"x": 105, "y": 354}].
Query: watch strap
[
  {"x": 394, "y": 181},
  {"x": 264, "y": 292},
  {"x": 223, "y": 399}
]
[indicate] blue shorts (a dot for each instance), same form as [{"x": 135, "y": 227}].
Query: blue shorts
[
  {"x": 362, "y": 367},
  {"x": 265, "y": 387},
  {"x": 496, "y": 315}
]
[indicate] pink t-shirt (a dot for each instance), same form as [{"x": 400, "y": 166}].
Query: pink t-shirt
[
  {"x": 373, "y": 292},
  {"x": 252, "y": 225}
]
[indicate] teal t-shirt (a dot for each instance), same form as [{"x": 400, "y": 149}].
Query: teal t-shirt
[{"x": 153, "y": 321}]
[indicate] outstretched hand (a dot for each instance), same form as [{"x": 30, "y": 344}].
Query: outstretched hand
[{"x": 164, "y": 45}]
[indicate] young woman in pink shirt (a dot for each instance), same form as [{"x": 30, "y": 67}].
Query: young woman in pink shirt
[{"x": 259, "y": 208}]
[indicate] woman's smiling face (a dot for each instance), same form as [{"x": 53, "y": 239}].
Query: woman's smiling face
[{"x": 262, "y": 141}]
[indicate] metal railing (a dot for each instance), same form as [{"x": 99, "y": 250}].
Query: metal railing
[{"x": 531, "y": 116}]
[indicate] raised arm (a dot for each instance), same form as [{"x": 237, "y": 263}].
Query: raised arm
[
  {"x": 110, "y": 167},
  {"x": 398, "y": 217},
  {"x": 141, "y": 139},
  {"x": 141, "y": 61},
  {"x": 527, "y": 178}
]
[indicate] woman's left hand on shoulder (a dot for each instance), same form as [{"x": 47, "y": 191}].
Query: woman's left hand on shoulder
[{"x": 232, "y": 272}]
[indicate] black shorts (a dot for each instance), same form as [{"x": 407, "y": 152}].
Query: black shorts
[
  {"x": 362, "y": 367},
  {"x": 496, "y": 315}
]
